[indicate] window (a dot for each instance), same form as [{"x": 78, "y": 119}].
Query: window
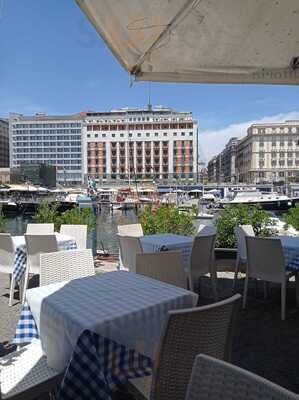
[
  {"x": 183, "y": 133},
  {"x": 103, "y": 134},
  {"x": 113, "y": 135},
  {"x": 147, "y": 134},
  {"x": 165, "y": 134},
  {"x": 88, "y": 135},
  {"x": 190, "y": 133},
  {"x": 156, "y": 134},
  {"x": 174, "y": 134},
  {"x": 130, "y": 135}
]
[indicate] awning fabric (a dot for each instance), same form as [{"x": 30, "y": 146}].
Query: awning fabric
[{"x": 211, "y": 41}]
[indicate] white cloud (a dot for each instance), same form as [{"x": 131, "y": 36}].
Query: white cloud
[{"x": 212, "y": 142}]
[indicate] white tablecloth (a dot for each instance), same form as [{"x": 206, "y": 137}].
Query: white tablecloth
[
  {"x": 127, "y": 308},
  {"x": 168, "y": 241},
  {"x": 19, "y": 241}
]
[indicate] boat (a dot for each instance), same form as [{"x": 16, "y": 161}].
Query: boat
[
  {"x": 268, "y": 201},
  {"x": 203, "y": 215}
]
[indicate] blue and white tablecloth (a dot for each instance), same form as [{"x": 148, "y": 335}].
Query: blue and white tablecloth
[
  {"x": 169, "y": 241},
  {"x": 64, "y": 243},
  {"x": 102, "y": 329},
  {"x": 290, "y": 247}
]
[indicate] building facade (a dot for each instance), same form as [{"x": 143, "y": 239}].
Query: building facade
[
  {"x": 50, "y": 140},
  {"x": 157, "y": 144},
  {"x": 269, "y": 153},
  {"x": 4, "y": 143},
  {"x": 228, "y": 161}
]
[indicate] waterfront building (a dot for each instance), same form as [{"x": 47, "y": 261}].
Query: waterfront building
[
  {"x": 222, "y": 168},
  {"x": 214, "y": 169},
  {"x": 269, "y": 153},
  {"x": 51, "y": 140},
  {"x": 155, "y": 144},
  {"x": 4, "y": 143},
  {"x": 228, "y": 161}
]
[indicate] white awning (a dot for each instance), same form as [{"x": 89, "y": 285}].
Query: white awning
[{"x": 211, "y": 41}]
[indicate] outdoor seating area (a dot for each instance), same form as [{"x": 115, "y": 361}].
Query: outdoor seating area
[{"x": 156, "y": 320}]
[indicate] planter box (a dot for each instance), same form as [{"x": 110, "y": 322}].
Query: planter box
[{"x": 225, "y": 259}]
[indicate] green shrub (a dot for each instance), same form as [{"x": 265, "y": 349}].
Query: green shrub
[
  {"x": 165, "y": 219},
  {"x": 78, "y": 216},
  {"x": 48, "y": 213},
  {"x": 242, "y": 214},
  {"x": 292, "y": 217}
]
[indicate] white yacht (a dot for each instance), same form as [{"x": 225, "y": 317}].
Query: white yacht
[{"x": 268, "y": 201}]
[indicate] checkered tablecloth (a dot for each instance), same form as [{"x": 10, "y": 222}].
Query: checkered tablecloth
[
  {"x": 98, "y": 365},
  {"x": 290, "y": 247},
  {"x": 102, "y": 330},
  {"x": 167, "y": 241},
  {"x": 26, "y": 329},
  {"x": 20, "y": 259}
]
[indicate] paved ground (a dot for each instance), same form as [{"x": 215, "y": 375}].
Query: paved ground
[{"x": 263, "y": 343}]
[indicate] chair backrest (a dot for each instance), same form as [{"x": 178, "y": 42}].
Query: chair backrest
[
  {"x": 188, "y": 332},
  {"x": 37, "y": 244},
  {"x": 202, "y": 255},
  {"x": 241, "y": 232},
  {"x": 265, "y": 259},
  {"x": 165, "y": 266},
  {"x": 40, "y": 229},
  {"x": 7, "y": 253},
  {"x": 78, "y": 232},
  {"x": 65, "y": 265},
  {"x": 206, "y": 230},
  {"x": 130, "y": 230},
  {"x": 217, "y": 380},
  {"x": 129, "y": 247}
]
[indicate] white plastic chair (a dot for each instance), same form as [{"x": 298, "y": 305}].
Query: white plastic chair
[
  {"x": 35, "y": 245},
  {"x": 25, "y": 374},
  {"x": 206, "y": 230},
  {"x": 165, "y": 266},
  {"x": 65, "y": 265},
  {"x": 215, "y": 379},
  {"x": 7, "y": 255},
  {"x": 129, "y": 247},
  {"x": 265, "y": 261},
  {"x": 78, "y": 232},
  {"x": 39, "y": 229},
  {"x": 241, "y": 232},
  {"x": 203, "y": 261},
  {"x": 130, "y": 230}
]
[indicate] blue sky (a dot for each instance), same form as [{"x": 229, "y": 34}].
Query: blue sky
[{"x": 53, "y": 61}]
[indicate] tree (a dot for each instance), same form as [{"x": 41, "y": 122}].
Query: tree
[
  {"x": 292, "y": 217},
  {"x": 165, "y": 219},
  {"x": 241, "y": 214}
]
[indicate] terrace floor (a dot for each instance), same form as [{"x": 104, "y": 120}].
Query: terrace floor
[{"x": 263, "y": 343}]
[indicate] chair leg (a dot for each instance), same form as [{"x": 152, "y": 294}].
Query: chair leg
[
  {"x": 283, "y": 300},
  {"x": 245, "y": 291},
  {"x": 265, "y": 290},
  {"x": 25, "y": 284},
  {"x": 12, "y": 290},
  {"x": 297, "y": 288},
  {"x": 214, "y": 284},
  {"x": 236, "y": 274}
]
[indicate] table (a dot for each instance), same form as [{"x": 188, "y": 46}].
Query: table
[
  {"x": 64, "y": 243},
  {"x": 104, "y": 328},
  {"x": 125, "y": 307},
  {"x": 290, "y": 247},
  {"x": 169, "y": 241}
]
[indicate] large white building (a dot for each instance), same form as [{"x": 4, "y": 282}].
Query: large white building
[
  {"x": 51, "y": 140},
  {"x": 145, "y": 144},
  {"x": 269, "y": 153}
]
